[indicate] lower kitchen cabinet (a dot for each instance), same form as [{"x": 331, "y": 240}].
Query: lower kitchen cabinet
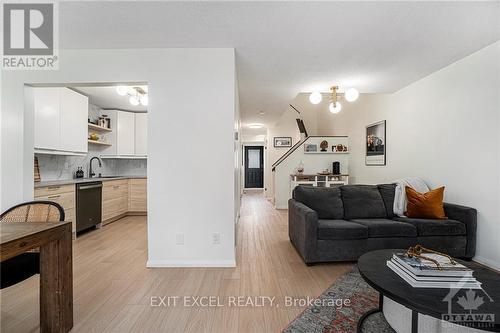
[
  {"x": 63, "y": 195},
  {"x": 119, "y": 198},
  {"x": 138, "y": 202},
  {"x": 115, "y": 197}
]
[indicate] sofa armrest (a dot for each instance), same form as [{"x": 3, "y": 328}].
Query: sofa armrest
[
  {"x": 302, "y": 229},
  {"x": 467, "y": 216}
]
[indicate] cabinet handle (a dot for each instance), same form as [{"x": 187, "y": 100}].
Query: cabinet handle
[
  {"x": 54, "y": 196},
  {"x": 116, "y": 186},
  {"x": 51, "y": 188}
]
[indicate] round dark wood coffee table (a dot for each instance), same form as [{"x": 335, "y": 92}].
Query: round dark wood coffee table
[{"x": 409, "y": 309}]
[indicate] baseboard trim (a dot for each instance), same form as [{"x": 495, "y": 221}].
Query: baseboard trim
[
  {"x": 487, "y": 262},
  {"x": 190, "y": 263},
  {"x": 281, "y": 207},
  {"x": 117, "y": 217}
]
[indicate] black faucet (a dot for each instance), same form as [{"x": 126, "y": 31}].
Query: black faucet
[{"x": 91, "y": 173}]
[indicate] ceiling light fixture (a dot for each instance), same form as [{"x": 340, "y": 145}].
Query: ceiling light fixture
[
  {"x": 255, "y": 126},
  {"x": 137, "y": 95},
  {"x": 351, "y": 95},
  {"x": 122, "y": 90},
  {"x": 334, "y": 106},
  {"x": 134, "y": 100},
  {"x": 315, "y": 97}
]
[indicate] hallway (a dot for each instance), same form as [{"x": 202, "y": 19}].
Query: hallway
[{"x": 114, "y": 291}]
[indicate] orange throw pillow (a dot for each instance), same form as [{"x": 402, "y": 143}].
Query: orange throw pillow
[{"x": 425, "y": 205}]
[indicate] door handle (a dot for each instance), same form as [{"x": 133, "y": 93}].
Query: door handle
[{"x": 89, "y": 187}]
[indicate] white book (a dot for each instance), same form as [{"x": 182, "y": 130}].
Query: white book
[
  {"x": 421, "y": 284},
  {"x": 433, "y": 277},
  {"x": 427, "y": 268}
]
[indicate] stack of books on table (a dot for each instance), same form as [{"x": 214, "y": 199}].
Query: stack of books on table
[{"x": 421, "y": 273}]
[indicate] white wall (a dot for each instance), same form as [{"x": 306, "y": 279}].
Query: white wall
[
  {"x": 443, "y": 128},
  {"x": 192, "y": 98}
]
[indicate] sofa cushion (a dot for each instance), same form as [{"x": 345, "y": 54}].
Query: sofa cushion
[
  {"x": 387, "y": 228},
  {"x": 430, "y": 227},
  {"x": 326, "y": 201},
  {"x": 387, "y": 191},
  {"x": 362, "y": 201},
  {"x": 341, "y": 229}
]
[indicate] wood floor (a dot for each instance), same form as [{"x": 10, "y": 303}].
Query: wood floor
[{"x": 113, "y": 288}]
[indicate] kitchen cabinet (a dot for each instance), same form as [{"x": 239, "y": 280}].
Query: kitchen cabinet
[
  {"x": 138, "y": 195},
  {"x": 60, "y": 121},
  {"x": 141, "y": 134},
  {"x": 74, "y": 110},
  {"x": 63, "y": 195},
  {"x": 115, "y": 198},
  {"x": 125, "y": 134},
  {"x": 128, "y": 135},
  {"x": 46, "y": 112}
]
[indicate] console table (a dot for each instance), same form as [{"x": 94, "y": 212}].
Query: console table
[
  {"x": 317, "y": 180},
  {"x": 409, "y": 309}
]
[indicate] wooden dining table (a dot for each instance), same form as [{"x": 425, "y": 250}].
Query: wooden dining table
[{"x": 56, "y": 267}]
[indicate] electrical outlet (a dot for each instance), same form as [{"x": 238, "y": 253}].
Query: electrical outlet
[
  {"x": 66, "y": 165},
  {"x": 216, "y": 238},
  {"x": 179, "y": 238}
]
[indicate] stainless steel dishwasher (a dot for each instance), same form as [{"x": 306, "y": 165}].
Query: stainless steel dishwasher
[{"x": 88, "y": 205}]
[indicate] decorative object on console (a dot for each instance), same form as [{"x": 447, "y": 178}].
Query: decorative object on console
[
  {"x": 336, "y": 168},
  {"x": 323, "y": 145},
  {"x": 376, "y": 144},
  {"x": 427, "y": 205},
  {"x": 310, "y": 147},
  {"x": 282, "y": 142},
  {"x": 300, "y": 168}
]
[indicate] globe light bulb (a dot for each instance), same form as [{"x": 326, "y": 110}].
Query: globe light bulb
[
  {"x": 134, "y": 100},
  {"x": 315, "y": 97},
  {"x": 121, "y": 90},
  {"x": 145, "y": 100},
  {"x": 336, "y": 108},
  {"x": 351, "y": 95}
]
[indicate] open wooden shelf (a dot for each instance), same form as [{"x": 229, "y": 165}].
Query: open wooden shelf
[
  {"x": 95, "y": 142},
  {"x": 99, "y": 128}
]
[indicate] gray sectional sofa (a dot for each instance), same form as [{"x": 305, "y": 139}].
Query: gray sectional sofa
[{"x": 342, "y": 223}]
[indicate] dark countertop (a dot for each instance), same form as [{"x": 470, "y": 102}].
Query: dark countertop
[{"x": 83, "y": 180}]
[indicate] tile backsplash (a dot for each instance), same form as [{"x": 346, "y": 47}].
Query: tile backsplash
[{"x": 58, "y": 167}]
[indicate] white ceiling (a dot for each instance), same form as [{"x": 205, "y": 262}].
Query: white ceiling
[
  {"x": 108, "y": 98},
  {"x": 283, "y": 48}
]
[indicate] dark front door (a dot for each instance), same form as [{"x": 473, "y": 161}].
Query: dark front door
[{"x": 254, "y": 167}]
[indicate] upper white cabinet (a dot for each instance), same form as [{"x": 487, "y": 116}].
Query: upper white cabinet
[
  {"x": 125, "y": 134},
  {"x": 47, "y": 114},
  {"x": 128, "y": 136},
  {"x": 74, "y": 114},
  {"x": 141, "y": 134},
  {"x": 60, "y": 120}
]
